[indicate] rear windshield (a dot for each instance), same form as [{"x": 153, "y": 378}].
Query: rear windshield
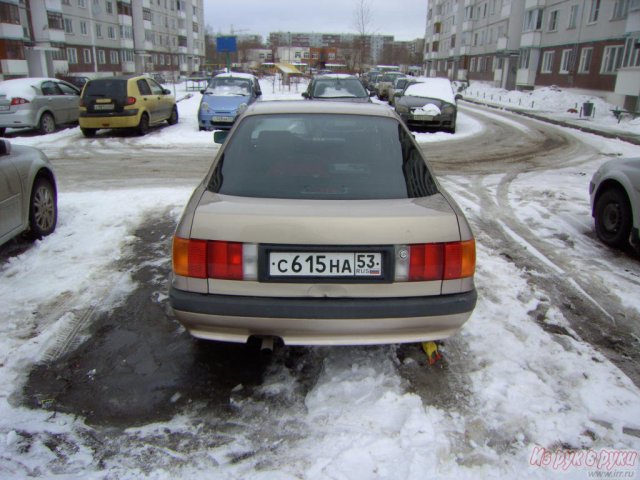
[
  {"x": 229, "y": 86},
  {"x": 323, "y": 157},
  {"x": 107, "y": 88},
  {"x": 339, "y": 88}
]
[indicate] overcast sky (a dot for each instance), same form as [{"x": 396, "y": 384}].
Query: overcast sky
[{"x": 404, "y": 19}]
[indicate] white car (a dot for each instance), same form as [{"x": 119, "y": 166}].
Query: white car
[
  {"x": 615, "y": 202},
  {"x": 27, "y": 192},
  {"x": 321, "y": 223}
]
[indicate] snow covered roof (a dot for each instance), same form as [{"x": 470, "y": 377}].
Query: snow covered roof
[
  {"x": 248, "y": 76},
  {"x": 432, "y": 88},
  {"x": 288, "y": 68},
  {"x": 22, "y": 87}
]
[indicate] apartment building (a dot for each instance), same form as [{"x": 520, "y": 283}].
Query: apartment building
[
  {"x": 374, "y": 44},
  {"x": 583, "y": 45},
  {"x": 100, "y": 37}
]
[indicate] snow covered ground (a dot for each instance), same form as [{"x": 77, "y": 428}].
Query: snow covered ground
[
  {"x": 528, "y": 398},
  {"x": 555, "y": 103}
]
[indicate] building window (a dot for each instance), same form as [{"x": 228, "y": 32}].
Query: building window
[
  {"x": 111, "y": 32},
  {"x": 102, "y": 59},
  {"x": 98, "y": 30},
  {"x": 58, "y": 54},
  {"x": 533, "y": 20},
  {"x": 594, "y": 11},
  {"x": 72, "y": 56},
  {"x": 55, "y": 21},
  {"x": 82, "y": 3},
  {"x": 524, "y": 58},
  {"x": 114, "y": 57},
  {"x": 553, "y": 21},
  {"x": 547, "y": 62},
  {"x": 83, "y": 28},
  {"x": 573, "y": 16},
  {"x": 109, "y": 7},
  {"x": 9, "y": 14},
  {"x": 472, "y": 67},
  {"x": 620, "y": 10},
  {"x": 612, "y": 59},
  {"x": 86, "y": 55},
  {"x": 566, "y": 62},
  {"x": 585, "y": 60},
  {"x": 146, "y": 14},
  {"x": 68, "y": 25}
]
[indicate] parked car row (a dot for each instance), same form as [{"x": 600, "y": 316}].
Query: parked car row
[{"x": 114, "y": 102}]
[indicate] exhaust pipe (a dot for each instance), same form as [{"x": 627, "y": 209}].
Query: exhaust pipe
[{"x": 266, "y": 345}]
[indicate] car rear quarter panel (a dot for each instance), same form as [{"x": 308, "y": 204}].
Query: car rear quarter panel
[{"x": 627, "y": 176}]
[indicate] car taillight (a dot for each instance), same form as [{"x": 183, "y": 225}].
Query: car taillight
[
  {"x": 224, "y": 260},
  {"x": 130, "y": 101},
  {"x": 19, "y": 101},
  {"x": 214, "y": 259},
  {"x": 442, "y": 261}
]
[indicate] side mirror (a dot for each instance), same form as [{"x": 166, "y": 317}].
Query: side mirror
[
  {"x": 166, "y": 91},
  {"x": 305, "y": 95},
  {"x": 202, "y": 91},
  {"x": 397, "y": 94},
  {"x": 372, "y": 93},
  {"x": 458, "y": 97},
  {"x": 219, "y": 136}
]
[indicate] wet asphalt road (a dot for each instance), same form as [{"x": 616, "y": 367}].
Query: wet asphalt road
[{"x": 140, "y": 366}]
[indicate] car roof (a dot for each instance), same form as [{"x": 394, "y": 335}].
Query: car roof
[
  {"x": 335, "y": 75},
  {"x": 32, "y": 80},
  {"x": 328, "y": 107}
]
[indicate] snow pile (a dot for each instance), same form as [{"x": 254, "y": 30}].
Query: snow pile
[{"x": 551, "y": 101}]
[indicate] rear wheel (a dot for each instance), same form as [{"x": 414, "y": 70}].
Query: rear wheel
[
  {"x": 143, "y": 126},
  {"x": 47, "y": 124},
  {"x": 43, "y": 210},
  {"x": 2, "y": 131},
  {"x": 89, "y": 132},
  {"x": 173, "y": 119},
  {"x": 613, "y": 218}
]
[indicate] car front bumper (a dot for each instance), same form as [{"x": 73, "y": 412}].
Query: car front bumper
[
  {"x": 216, "y": 121},
  {"x": 438, "y": 121},
  {"x": 322, "y": 321}
]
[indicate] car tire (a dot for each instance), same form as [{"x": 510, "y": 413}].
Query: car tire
[
  {"x": 143, "y": 126},
  {"x": 43, "y": 209},
  {"x": 47, "y": 124},
  {"x": 89, "y": 132},
  {"x": 2, "y": 131},
  {"x": 612, "y": 215},
  {"x": 173, "y": 119}
]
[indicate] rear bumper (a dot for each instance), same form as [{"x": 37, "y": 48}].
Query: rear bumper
[
  {"x": 322, "y": 321},
  {"x": 19, "y": 119},
  {"x": 127, "y": 119}
]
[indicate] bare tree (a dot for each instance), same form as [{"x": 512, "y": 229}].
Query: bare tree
[{"x": 362, "y": 22}]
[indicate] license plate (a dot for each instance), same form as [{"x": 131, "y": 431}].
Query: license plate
[
  {"x": 423, "y": 117},
  {"x": 103, "y": 107},
  {"x": 4, "y": 108},
  {"x": 325, "y": 264},
  {"x": 223, "y": 119}
]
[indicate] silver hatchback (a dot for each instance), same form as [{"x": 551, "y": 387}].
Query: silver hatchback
[
  {"x": 322, "y": 223},
  {"x": 40, "y": 103}
]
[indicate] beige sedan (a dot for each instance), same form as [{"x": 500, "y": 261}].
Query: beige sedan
[{"x": 320, "y": 223}]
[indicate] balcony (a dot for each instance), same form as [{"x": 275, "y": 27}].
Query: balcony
[
  {"x": 53, "y": 5},
  {"x": 10, "y": 31},
  {"x": 525, "y": 77},
  {"x": 182, "y": 14},
  {"x": 182, "y": 32},
  {"x": 435, "y": 37},
  {"x": 183, "y": 50},
  {"x": 469, "y": 3},
  {"x": 14, "y": 67},
  {"x": 146, "y": 3},
  {"x": 528, "y": 4},
  {"x": 627, "y": 81},
  {"x": 502, "y": 43},
  {"x": 506, "y": 11},
  {"x": 148, "y": 25},
  {"x": 125, "y": 20},
  {"x": 128, "y": 67},
  {"x": 57, "y": 36},
  {"x": 530, "y": 39},
  {"x": 467, "y": 26},
  {"x": 126, "y": 43},
  {"x": 466, "y": 50}
]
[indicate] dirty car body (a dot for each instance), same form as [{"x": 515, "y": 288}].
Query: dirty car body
[{"x": 322, "y": 223}]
